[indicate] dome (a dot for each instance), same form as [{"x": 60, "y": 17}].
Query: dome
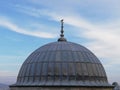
[{"x": 62, "y": 63}]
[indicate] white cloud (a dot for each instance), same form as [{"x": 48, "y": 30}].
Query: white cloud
[
  {"x": 97, "y": 8},
  {"x": 13, "y": 27},
  {"x": 105, "y": 36}
]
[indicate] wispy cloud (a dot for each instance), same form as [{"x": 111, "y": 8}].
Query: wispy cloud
[
  {"x": 107, "y": 9},
  {"x": 102, "y": 34},
  {"x": 14, "y": 27}
]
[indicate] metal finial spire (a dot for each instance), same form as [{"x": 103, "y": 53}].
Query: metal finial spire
[{"x": 62, "y": 33}]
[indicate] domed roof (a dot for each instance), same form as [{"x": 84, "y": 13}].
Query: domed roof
[{"x": 62, "y": 63}]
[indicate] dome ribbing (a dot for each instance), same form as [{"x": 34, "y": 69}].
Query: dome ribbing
[{"x": 62, "y": 64}]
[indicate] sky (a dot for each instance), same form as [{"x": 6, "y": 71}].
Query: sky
[{"x": 26, "y": 25}]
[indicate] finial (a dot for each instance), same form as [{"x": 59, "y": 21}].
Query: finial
[{"x": 62, "y": 32}]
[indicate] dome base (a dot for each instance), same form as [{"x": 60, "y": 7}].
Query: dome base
[{"x": 62, "y": 88}]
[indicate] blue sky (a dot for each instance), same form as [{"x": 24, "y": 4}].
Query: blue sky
[{"x": 26, "y": 25}]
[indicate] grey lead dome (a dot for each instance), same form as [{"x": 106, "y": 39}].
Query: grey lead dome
[{"x": 62, "y": 64}]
